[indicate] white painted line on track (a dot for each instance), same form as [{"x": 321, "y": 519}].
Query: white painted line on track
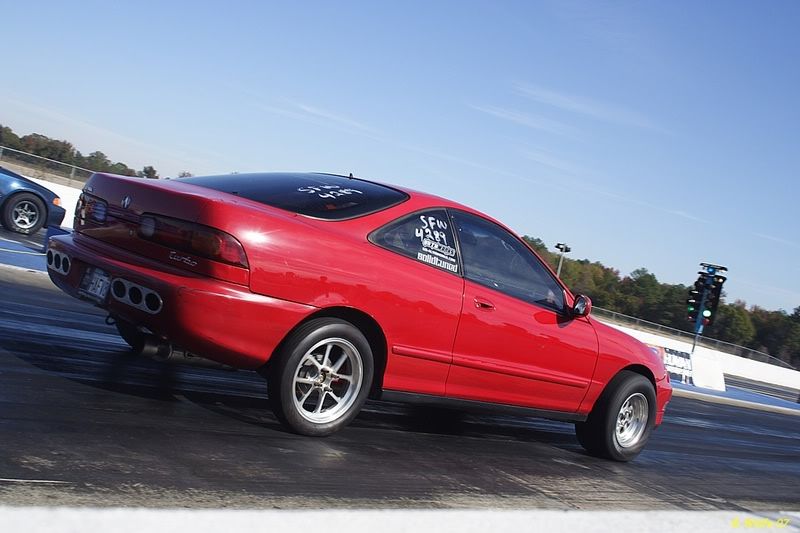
[
  {"x": 127, "y": 520},
  {"x": 41, "y": 481},
  {"x": 20, "y": 252},
  {"x": 18, "y": 242},
  {"x": 712, "y": 398},
  {"x": 14, "y": 267}
]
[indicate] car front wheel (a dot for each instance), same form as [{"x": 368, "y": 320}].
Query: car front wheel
[
  {"x": 320, "y": 377},
  {"x": 623, "y": 418},
  {"x": 24, "y": 213}
]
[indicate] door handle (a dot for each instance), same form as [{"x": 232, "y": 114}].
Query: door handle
[{"x": 484, "y": 304}]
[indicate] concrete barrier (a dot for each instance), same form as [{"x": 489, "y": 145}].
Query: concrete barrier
[{"x": 709, "y": 366}]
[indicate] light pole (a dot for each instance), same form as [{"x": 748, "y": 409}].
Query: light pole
[{"x": 564, "y": 249}]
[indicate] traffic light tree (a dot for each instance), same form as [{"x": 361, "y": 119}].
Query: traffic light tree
[{"x": 704, "y": 296}]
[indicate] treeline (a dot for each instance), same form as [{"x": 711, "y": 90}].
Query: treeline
[
  {"x": 65, "y": 152},
  {"x": 641, "y": 295}
]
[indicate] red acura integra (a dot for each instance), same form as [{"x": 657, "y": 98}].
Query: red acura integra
[{"x": 337, "y": 288}]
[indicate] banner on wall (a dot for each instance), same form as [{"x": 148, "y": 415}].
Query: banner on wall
[{"x": 678, "y": 364}]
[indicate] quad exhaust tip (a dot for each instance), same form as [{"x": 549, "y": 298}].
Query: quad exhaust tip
[
  {"x": 137, "y": 296},
  {"x": 59, "y": 262}
]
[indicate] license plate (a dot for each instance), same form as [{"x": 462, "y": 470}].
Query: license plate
[{"x": 95, "y": 284}]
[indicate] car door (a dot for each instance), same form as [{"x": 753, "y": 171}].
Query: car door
[
  {"x": 421, "y": 314},
  {"x": 515, "y": 344}
]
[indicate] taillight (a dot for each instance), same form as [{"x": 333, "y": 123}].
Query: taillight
[
  {"x": 193, "y": 238},
  {"x": 91, "y": 207}
]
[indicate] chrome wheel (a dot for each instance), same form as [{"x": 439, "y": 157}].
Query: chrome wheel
[
  {"x": 632, "y": 420},
  {"x": 327, "y": 380},
  {"x": 25, "y": 215}
]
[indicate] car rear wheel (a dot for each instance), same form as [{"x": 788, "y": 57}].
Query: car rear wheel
[
  {"x": 623, "y": 418},
  {"x": 24, "y": 213},
  {"x": 320, "y": 377}
]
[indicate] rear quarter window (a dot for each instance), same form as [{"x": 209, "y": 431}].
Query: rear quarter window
[
  {"x": 426, "y": 236},
  {"x": 324, "y": 196}
]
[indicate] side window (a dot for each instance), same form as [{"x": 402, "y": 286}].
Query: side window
[
  {"x": 425, "y": 236},
  {"x": 496, "y": 259}
]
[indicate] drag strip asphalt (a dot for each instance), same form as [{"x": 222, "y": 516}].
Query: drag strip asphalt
[{"x": 82, "y": 422}]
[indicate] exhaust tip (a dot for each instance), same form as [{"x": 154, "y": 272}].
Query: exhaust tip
[
  {"x": 155, "y": 348},
  {"x": 58, "y": 262},
  {"x": 119, "y": 288},
  {"x": 135, "y": 295},
  {"x": 152, "y": 301}
]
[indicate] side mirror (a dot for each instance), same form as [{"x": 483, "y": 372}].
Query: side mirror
[{"x": 582, "y": 306}]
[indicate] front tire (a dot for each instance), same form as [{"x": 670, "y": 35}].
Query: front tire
[
  {"x": 320, "y": 377},
  {"x": 622, "y": 420},
  {"x": 24, "y": 213}
]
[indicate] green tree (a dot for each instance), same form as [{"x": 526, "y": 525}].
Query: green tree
[
  {"x": 149, "y": 172},
  {"x": 9, "y": 139},
  {"x": 733, "y": 324},
  {"x": 98, "y": 161},
  {"x": 772, "y": 329},
  {"x": 641, "y": 293},
  {"x": 791, "y": 346},
  {"x": 121, "y": 169}
]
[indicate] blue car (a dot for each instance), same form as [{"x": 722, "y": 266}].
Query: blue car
[{"x": 26, "y": 206}]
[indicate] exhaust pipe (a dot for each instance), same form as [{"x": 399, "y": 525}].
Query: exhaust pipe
[{"x": 162, "y": 351}]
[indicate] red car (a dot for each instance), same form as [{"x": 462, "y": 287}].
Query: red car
[{"x": 336, "y": 289}]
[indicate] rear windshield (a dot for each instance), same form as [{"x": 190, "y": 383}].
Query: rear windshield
[{"x": 323, "y": 196}]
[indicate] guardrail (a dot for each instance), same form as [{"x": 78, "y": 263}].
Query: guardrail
[
  {"x": 721, "y": 346},
  {"x": 37, "y": 166}
]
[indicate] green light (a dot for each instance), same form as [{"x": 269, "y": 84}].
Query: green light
[
  {"x": 691, "y": 308},
  {"x": 706, "y": 313}
]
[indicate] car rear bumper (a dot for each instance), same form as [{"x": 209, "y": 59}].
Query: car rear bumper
[{"x": 212, "y": 318}]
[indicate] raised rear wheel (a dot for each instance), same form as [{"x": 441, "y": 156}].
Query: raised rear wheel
[{"x": 320, "y": 377}]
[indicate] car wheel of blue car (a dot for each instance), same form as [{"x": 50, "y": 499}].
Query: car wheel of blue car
[{"x": 24, "y": 213}]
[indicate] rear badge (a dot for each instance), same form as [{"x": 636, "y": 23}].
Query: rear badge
[
  {"x": 185, "y": 259},
  {"x": 126, "y": 202}
]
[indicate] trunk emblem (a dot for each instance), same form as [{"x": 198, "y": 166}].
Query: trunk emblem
[
  {"x": 185, "y": 259},
  {"x": 126, "y": 202}
]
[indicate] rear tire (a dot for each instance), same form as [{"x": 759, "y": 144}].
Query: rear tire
[
  {"x": 622, "y": 420},
  {"x": 24, "y": 213},
  {"x": 320, "y": 377}
]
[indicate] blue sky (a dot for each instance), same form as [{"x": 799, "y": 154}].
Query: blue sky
[{"x": 654, "y": 135}]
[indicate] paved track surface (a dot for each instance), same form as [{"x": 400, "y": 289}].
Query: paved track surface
[{"x": 84, "y": 423}]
